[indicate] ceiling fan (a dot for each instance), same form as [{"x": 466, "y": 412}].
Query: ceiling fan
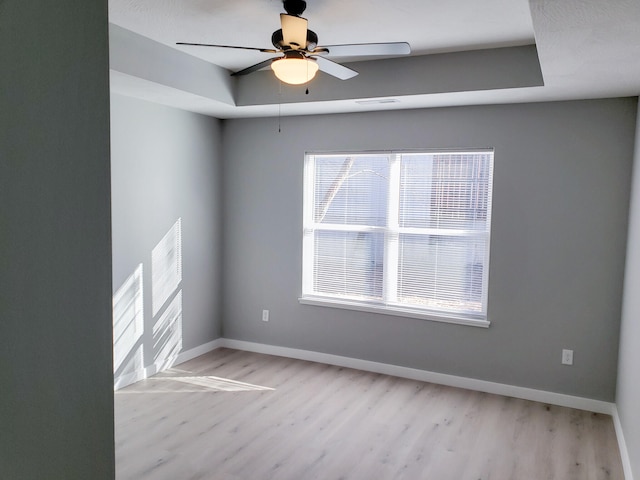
[{"x": 300, "y": 56}]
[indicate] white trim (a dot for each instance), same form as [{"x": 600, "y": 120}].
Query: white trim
[
  {"x": 542, "y": 396},
  {"x": 408, "y": 151},
  {"x": 559, "y": 399},
  {"x": 622, "y": 445},
  {"x": 197, "y": 351},
  {"x": 391, "y": 310},
  {"x": 313, "y": 268},
  {"x": 552, "y": 398},
  {"x": 130, "y": 378}
]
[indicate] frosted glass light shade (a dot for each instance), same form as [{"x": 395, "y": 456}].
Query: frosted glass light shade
[{"x": 295, "y": 71}]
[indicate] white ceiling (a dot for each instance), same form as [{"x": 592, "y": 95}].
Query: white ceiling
[{"x": 586, "y": 48}]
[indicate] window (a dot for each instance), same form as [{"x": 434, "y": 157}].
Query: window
[{"x": 404, "y": 233}]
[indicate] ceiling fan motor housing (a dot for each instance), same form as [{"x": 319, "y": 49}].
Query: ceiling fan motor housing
[
  {"x": 278, "y": 41},
  {"x": 294, "y": 7}
]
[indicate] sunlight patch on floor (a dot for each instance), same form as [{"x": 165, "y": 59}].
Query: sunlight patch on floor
[{"x": 192, "y": 384}]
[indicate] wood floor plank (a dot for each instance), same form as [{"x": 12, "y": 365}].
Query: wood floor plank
[{"x": 232, "y": 415}]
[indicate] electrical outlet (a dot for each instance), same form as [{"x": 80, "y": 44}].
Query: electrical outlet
[
  {"x": 567, "y": 357},
  {"x": 265, "y": 315}
]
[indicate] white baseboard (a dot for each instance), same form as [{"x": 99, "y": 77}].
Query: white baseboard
[
  {"x": 552, "y": 398},
  {"x": 622, "y": 445},
  {"x": 158, "y": 366},
  {"x": 197, "y": 351},
  {"x": 128, "y": 379},
  {"x": 542, "y": 396}
]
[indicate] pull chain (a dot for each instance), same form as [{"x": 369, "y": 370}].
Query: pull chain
[{"x": 279, "y": 106}]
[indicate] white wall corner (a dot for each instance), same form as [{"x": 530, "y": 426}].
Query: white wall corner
[{"x": 622, "y": 445}]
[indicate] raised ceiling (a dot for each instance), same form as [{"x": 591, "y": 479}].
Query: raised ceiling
[{"x": 583, "y": 49}]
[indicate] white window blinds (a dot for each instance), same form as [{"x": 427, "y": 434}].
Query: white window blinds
[{"x": 405, "y": 231}]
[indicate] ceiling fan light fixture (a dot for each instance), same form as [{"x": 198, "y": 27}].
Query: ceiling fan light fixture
[{"x": 295, "y": 69}]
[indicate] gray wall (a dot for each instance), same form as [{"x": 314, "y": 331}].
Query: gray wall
[
  {"x": 628, "y": 393},
  {"x": 56, "y": 404},
  {"x": 561, "y": 190},
  {"x": 166, "y": 166}
]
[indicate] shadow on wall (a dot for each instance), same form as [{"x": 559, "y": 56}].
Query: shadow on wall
[{"x": 129, "y": 338}]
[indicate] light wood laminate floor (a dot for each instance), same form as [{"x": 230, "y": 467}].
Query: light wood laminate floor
[{"x": 234, "y": 415}]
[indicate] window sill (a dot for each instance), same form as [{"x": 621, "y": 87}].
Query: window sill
[{"x": 395, "y": 311}]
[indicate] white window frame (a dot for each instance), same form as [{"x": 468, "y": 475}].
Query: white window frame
[{"x": 392, "y": 232}]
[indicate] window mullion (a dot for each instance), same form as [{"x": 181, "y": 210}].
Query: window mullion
[
  {"x": 390, "y": 290},
  {"x": 485, "y": 272},
  {"x": 308, "y": 224}
]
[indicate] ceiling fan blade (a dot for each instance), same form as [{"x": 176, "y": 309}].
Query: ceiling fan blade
[
  {"x": 335, "y": 69},
  {"x": 366, "y": 49},
  {"x": 254, "y": 68},
  {"x": 265, "y": 50},
  {"x": 294, "y": 31}
]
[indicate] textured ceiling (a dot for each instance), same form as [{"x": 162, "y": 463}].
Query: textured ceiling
[{"x": 586, "y": 48}]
